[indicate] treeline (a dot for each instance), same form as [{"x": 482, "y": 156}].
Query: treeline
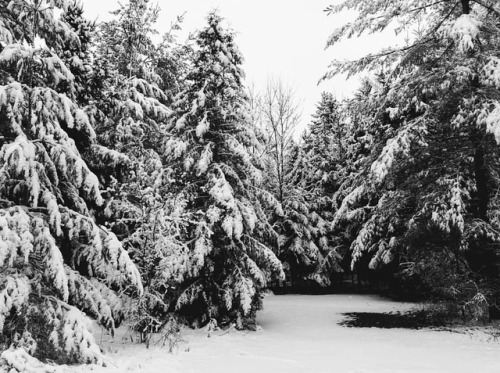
[
  {"x": 397, "y": 187},
  {"x": 140, "y": 180}
]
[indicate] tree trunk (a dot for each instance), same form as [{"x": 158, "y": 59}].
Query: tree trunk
[
  {"x": 481, "y": 176},
  {"x": 465, "y": 6}
]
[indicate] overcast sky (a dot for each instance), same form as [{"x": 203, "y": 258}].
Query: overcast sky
[{"x": 279, "y": 38}]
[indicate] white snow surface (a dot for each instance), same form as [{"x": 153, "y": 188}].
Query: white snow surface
[{"x": 300, "y": 333}]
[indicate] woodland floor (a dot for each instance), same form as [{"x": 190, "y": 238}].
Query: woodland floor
[{"x": 311, "y": 333}]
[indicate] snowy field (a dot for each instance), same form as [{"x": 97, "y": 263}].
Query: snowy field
[{"x": 299, "y": 333}]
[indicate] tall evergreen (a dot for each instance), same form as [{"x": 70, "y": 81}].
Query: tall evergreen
[
  {"x": 325, "y": 144},
  {"x": 78, "y": 56},
  {"x": 220, "y": 270},
  {"x": 131, "y": 117},
  {"x": 55, "y": 261}
]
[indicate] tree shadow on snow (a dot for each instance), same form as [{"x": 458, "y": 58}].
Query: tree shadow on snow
[{"x": 409, "y": 320}]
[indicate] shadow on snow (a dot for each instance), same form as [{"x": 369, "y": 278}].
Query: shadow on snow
[{"x": 409, "y": 320}]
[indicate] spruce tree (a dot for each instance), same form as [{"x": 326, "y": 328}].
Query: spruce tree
[
  {"x": 313, "y": 175},
  {"x": 305, "y": 236},
  {"x": 131, "y": 117},
  {"x": 325, "y": 145},
  {"x": 78, "y": 56},
  {"x": 55, "y": 261},
  {"x": 223, "y": 264}
]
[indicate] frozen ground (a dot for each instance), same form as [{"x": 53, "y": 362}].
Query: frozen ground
[{"x": 300, "y": 334}]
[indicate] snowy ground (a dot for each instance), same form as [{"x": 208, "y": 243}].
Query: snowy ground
[{"x": 300, "y": 334}]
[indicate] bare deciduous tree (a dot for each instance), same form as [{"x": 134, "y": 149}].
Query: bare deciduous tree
[{"x": 280, "y": 116}]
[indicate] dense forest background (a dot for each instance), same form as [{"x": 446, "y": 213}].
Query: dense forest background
[{"x": 142, "y": 180}]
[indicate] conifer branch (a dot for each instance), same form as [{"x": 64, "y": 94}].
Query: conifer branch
[{"x": 489, "y": 7}]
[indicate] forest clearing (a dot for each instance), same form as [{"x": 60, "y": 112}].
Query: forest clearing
[
  {"x": 150, "y": 190},
  {"x": 301, "y": 333}
]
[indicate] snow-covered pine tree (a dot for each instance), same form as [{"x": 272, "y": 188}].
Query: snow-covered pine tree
[
  {"x": 223, "y": 265},
  {"x": 132, "y": 115},
  {"x": 173, "y": 60},
  {"x": 313, "y": 178},
  {"x": 55, "y": 261},
  {"x": 435, "y": 171},
  {"x": 305, "y": 236},
  {"x": 133, "y": 107},
  {"x": 78, "y": 57},
  {"x": 325, "y": 144}
]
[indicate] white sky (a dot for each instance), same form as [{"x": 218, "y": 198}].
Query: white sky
[{"x": 278, "y": 38}]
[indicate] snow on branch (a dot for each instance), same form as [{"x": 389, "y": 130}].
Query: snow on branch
[
  {"x": 147, "y": 105},
  {"x": 77, "y": 338},
  {"x": 52, "y": 111},
  {"x": 449, "y": 210},
  {"x": 203, "y": 246},
  {"x": 53, "y": 263},
  {"x": 16, "y": 240},
  {"x": 463, "y": 30},
  {"x": 147, "y": 88},
  {"x": 5, "y": 33},
  {"x": 49, "y": 27},
  {"x": 189, "y": 295},
  {"x": 491, "y": 118},
  {"x": 25, "y": 240},
  {"x": 245, "y": 289},
  {"x": 348, "y": 202},
  {"x": 52, "y": 65},
  {"x": 400, "y": 144},
  {"x": 175, "y": 148},
  {"x": 490, "y": 73},
  {"x": 17, "y": 161},
  {"x": 265, "y": 256},
  {"x": 365, "y": 238},
  {"x": 221, "y": 191},
  {"x": 17, "y": 360},
  {"x": 248, "y": 214},
  {"x": 253, "y": 269},
  {"x": 14, "y": 293},
  {"x": 101, "y": 251},
  {"x": 175, "y": 268},
  {"x": 12, "y": 98},
  {"x": 94, "y": 298},
  {"x": 203, "y": 126},
  {"x": 384, "y": 253},
  {"x": 205, "y": 159},
  {"x": 109, "y": 157}
]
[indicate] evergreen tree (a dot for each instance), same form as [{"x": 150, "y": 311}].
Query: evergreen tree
[
  {"x": 223, "y": 264},
  {"x": 55, "y": 261},
  {"x": 431, "y": 177},
  {"x": 132, "y": 115},
  {"x": 314, "y": 173},
  {"x": 77, "y": 55},
  {"x": 173, "y": 61},
  {"x": 324, "y": 144},
  {"x": 305, "y": 236}
]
